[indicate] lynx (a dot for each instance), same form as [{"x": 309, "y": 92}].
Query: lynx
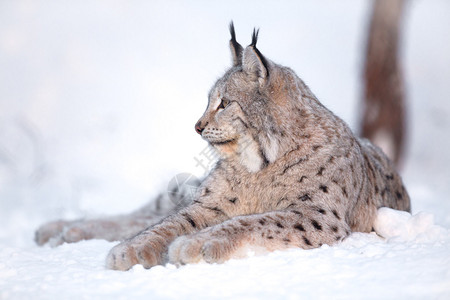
[{"x": 291, "y": 174}]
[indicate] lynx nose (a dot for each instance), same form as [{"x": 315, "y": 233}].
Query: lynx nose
[{"x": 199, "y": 128}]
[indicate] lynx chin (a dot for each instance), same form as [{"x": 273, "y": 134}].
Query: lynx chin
[{"x": 291, "y": 175}]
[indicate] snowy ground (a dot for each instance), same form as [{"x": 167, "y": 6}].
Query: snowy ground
[{"x": 97, "y": 105}]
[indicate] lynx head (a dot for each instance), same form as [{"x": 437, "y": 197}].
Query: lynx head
[{"x": 252, "y": 108}]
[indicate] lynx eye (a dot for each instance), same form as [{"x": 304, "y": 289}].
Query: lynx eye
[{"x": 224, "y": 103}]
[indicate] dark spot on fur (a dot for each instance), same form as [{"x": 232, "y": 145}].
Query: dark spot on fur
[
  {"x": 216, "y": 209},
  {"x": 331, "y": 159},
  {"x": 235, "y": 230},
  {"x": 320, "y": 172},
  {"x": 279, "y": 225},
  {"x": 293, "y": 150},
  {"x": 233, "y": 200},
  {"x": 262, "y": 221},
  {"x": 338, "y": 238},
  {"x": 315, "y": 147},
  {"x": 270, "y": 237},
  {"x": 307, "y": 242},
  {"x": 336, "y": 214},
  {"x": 189, "y": 219},
  {"x": 316, "y": 225},
  {"x": 286, "y": 240},
  {"x": 344, "y": 192},
  {"x": 299, "y": 227},
  {"x": 322, "y": 211},
  {"x": 377, "y": 190},
  {"x": 304, "y": 197},
  {"x": 324, "y": 188},
  {"x": 399, "y": 195},
  {"x": 281, "y": 200},
  {"x": 297, "y": 212},
  {"x": 299, "y": 161},
  {"x": 272, "y": 129},
  {"x": 334, "y": 228},
  {"x": 389, "y": 176},
  {"x": 244, "y": 223},
  {"x": 207, "y": 191},
  {"x": 302, "y": 178}
]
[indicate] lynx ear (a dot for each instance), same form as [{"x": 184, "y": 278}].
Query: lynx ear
[
  {"x": 253, "y": 62},
  {"x": 235, "y": 47}
]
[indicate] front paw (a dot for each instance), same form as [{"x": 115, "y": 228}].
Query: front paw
[
  {"x": 194, "y": 248},
  {"x": 147, "y": 252}
]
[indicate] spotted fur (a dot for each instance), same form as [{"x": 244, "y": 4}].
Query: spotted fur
[{"x": 291, "y": 174}]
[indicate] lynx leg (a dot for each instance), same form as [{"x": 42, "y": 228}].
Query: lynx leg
[
  {"x": 110, "y": 228},
  {"x": 308, "y": 228},
  {"x": 50, "y": 230},
  {"x": 149, "y": 248}
]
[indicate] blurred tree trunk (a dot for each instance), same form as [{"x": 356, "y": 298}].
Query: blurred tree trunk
[{"x": 383, "y": 120}]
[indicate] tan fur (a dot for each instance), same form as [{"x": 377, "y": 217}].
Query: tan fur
[{"x": 291, "y": 174}]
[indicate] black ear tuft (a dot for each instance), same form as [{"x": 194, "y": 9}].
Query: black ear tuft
[
  {"x": 254, "y": 63},
  {"x": 232, "y": 32},
  {"x": 235, "y": 47},
  {"x": 254, "y": 37},
  {"x": 233, "y": 41}
]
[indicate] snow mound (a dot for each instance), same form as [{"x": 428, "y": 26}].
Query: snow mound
[{"x": 401, "y": 226}]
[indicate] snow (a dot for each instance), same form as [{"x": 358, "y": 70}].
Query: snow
[
  {"x": 98, "y": 100},
  {"x": 364, "y": 265}
]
